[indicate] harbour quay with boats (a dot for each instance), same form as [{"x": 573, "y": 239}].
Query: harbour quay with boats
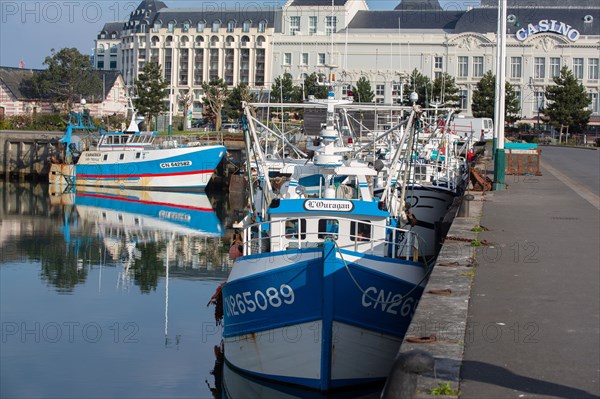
[{"x": 341, "y": 237}]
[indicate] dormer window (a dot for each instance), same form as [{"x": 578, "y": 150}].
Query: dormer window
[
  {"x": 262, "y": 26},
  {"x": 113, "y": 35},
  {"x": 216, "y": 25},
  {"x": 156, "y": 27},
  {"x": 246, "y": 26},
  {"x": 171, "y": 26},
  {"x": 102, "y": 35},
  {"x": 186, "y": 27},
  {"x": 200, "y": 27},
  {"x": 230, "y": 26}
]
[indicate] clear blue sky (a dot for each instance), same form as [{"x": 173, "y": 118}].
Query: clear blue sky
[{"x": 30, "y": 29}]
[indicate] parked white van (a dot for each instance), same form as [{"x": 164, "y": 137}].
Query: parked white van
[{"x": 481, "y": 128}]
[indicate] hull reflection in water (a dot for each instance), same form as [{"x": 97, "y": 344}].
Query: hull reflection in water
[
  {"x": 174, "y": 212},
  {"x": 242, "y": 386}
]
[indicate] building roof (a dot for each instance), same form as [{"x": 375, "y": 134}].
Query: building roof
[
  {"x": 531, "y": 4},
  {"x": 195, "y": 15},
  {"x": 14, "y": 78},
  {"x": 309, "y": 3},
  {"x": 18, "y": 82},
  {"x": 110, "y": 28},
  {"x": 418, "y": 5},
  {"x": 425, "y": 20},
  {"x": 485, "y": 20}
]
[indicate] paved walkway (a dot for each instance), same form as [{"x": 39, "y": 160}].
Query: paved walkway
[{"x": 533, "y": 326}]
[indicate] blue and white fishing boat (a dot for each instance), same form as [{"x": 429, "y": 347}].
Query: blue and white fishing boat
[
  {"x": 132, "y": 159},
  {"x": 327, "y": 284}
]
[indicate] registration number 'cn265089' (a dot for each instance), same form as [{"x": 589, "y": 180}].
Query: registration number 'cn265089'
[{"x": 259, "y": 300}]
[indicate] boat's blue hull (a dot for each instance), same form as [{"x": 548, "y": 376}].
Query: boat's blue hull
[
  {"x": 180, "y": 168},
  {"x": 320, "y": 318}
]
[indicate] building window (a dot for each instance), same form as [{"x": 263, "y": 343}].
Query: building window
[
  {"x": 246, "y": 26},
  {"x": 213, "y": 66},
  {"x": 287, "y": 59},
  {"x": 168, "y": 64},
  {"x": 519, "y": 96},
  {"x": 230, "y": 26},
  {"x": 184, "y": 57},
  {"x": 464, "y": 99},
  {"x": 438, "y": 63},
  {"x": 262, "y": 26},
  {"x": 539, "y": 68},
  {"x": 554, "y": 67},
  {"x": 593, "y": 68},
  {"x": 198, "y": 66},
  {"x": 304, "y": 59},
  {"x": 477, "y": 67},
  {"x": 321, "y": 59},
  {"x": 216, "y": 25},
  {"x": 294, "y": 25},
  {"x": 516, "y": 67},
  {"x": 380, "y": 90},
  {"x": 259, "y": 79},
  {"x": 595, "y": 103},
  {"x": 229, "y": 58},
  {"x": 578, "y": 68},
  {"x": 113, "y": 65},
  {"x": 463, "y": 67},
  {"x": 100, "y": 64},
  {"x": 312, "y": 24},
  {"x": 330, "y": 25}
]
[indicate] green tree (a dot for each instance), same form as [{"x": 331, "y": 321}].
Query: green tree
[
  {"x": 150, "y": 91},
  {"x": 567, "y": 102},
  {"x": 68, "y": 78},
  {"x": 484, "y": 99},
  {"x": 313, "y": 88},
  {"x": 215, "y": 95},
  {"x": 422, "y": 85},
  {"x": 445, "y": 91},
  {"x": 283, "y": 90},
  {"x": 233, "y": 105},
  {"x": 362, "y": 91}
]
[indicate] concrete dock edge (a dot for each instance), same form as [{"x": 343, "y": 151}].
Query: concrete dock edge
[{"x": 440, "y": 322}]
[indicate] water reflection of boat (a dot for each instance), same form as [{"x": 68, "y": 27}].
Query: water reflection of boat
[
  {"x": 241, "y": 386},
  {"x": 173, "y": 212}
]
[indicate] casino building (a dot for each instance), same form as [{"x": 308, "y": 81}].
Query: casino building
[{"x": 255, "y": 44}]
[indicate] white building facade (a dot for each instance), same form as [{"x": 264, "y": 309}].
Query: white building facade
[{"x": 255, "y": 46}]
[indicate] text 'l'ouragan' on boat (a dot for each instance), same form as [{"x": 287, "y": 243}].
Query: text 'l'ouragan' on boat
[
  {"x": 327, "y": 284},
  {"x": 132, "y": 159}
]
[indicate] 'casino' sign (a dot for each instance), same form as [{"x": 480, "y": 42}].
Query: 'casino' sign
[{"x": 548, "y": 25}]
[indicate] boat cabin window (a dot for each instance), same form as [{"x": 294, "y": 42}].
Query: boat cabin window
[
  {"x": 291, "y": 229},
  {"x": 360, "y": 231},
  {"x": 105, "y": 157},
  {"x": 328, "y": 227},
  {"x": 121, "y": 156},
  {"x": 138, "y": 155}
]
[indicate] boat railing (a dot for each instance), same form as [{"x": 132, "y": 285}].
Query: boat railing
[{"x": 379, "y": 240}]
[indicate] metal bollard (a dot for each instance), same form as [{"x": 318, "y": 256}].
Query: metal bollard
[
  {"x": 402, "y": 380},
  {"x": 463, "y": 211}
]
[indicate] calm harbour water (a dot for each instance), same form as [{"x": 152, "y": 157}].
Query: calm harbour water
[{"x": 104, "y": 295}]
